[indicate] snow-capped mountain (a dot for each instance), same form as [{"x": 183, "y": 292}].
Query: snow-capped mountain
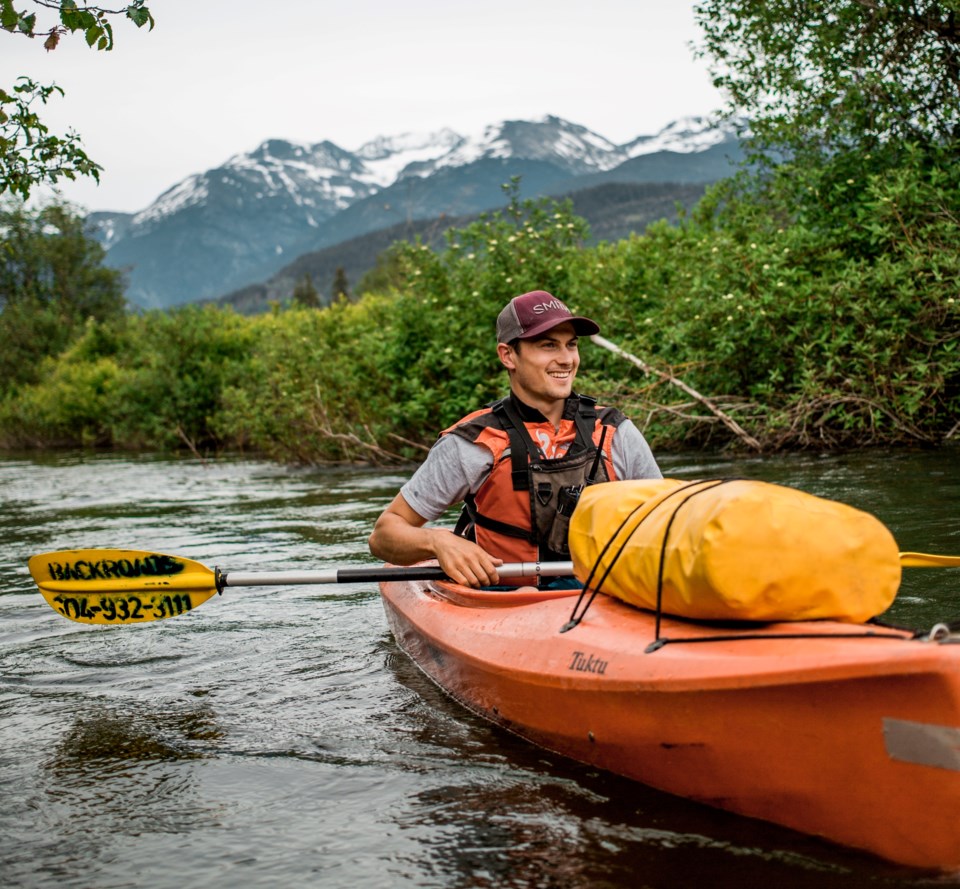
[
  {"x": 219, "y": 230},
  {"x": 684, "y": 136},
  {"x": 320, "y": 179},
  {"x": 571, "y": 147}
]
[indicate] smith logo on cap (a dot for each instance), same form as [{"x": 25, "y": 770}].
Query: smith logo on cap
[{"x": 554, "y": 305}]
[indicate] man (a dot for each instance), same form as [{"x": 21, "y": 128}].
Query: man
[{"x": 517, "y": 465}]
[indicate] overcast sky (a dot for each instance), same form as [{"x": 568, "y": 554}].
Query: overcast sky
[{"x": 217, "y": 77}]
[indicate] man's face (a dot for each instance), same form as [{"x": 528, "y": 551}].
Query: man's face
[{"x": 543, "y": 368}]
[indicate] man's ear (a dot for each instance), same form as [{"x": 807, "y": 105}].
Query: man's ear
[{"x": 507, "y": 356}]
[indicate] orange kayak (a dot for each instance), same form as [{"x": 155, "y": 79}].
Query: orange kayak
[{"x": 846, "y": 731}]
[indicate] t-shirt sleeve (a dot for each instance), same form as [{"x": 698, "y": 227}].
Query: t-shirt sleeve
[
  {"x": 453, "y": 468},
  {"x": 632, "y": 457}
]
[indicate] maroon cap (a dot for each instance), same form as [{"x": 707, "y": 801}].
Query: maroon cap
[{"x": 537, "y": 312}]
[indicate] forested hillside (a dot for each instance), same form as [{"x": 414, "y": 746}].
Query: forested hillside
[{"x": 614, "y": 211}]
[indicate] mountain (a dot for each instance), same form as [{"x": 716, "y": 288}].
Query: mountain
[
  {"x": 239, "y": 224},
  {"x": 613, "y": 210}
]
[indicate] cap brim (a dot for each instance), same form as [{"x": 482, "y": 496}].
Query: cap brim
[{"x": 581, "y": 326}]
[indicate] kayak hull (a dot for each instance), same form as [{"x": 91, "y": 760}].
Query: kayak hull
[{"x": 849, "y": 732}]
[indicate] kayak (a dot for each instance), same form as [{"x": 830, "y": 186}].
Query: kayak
[{"x": 846, "y": 731}]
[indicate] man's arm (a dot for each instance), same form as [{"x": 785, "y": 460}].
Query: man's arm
[
  {"x": 399, "y": 537},
  {"x": 632, "y": 457}
]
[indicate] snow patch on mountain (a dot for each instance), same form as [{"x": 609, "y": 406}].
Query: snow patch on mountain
[
  {"x": 551, "y": 139},
  {"x": 386, "y": 158},
  {"x": 308, "y": 175},
  {"x": 684, "y": 136},
  {"x": 191, "y": 191}
]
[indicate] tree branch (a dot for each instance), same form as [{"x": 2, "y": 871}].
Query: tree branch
[{"x": 724, "y": 418}]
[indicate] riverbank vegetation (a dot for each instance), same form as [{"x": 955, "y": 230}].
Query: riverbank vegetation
[
  {"x": 813, "y": 299},
  {"x": 807, "y": 336}
]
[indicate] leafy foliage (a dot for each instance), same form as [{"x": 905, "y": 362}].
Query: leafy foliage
[
  {"x": 148, "y": 381},
  {"x": 29, "y": 153},
  {"x": 819, "y": 77},
  {"x": 93, "y": 21},
  {"x": 809, "y": 336}
]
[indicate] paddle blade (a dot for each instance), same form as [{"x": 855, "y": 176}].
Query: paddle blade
[
  {"x": 928, "y": 560},
  {"x": 120, "y": 586}
]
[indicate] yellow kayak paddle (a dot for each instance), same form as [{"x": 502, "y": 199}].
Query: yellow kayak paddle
[{"x": 125, "y": 586}]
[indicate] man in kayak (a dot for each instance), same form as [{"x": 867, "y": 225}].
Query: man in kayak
[{"x": 518, "y": 465}]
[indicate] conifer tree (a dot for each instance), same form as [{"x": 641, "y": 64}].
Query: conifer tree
[
  {"x": 341, "y": 287},
  {"x": 305, "y": 294},
  {"x": 52, "y": 283}
]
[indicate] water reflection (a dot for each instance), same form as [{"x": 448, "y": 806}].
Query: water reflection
[
  {"x": 109, "y": 740},
  {"x": 521, "y": 831},
  {"x": 118, "y": 777}
]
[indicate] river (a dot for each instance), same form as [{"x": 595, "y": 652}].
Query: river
[{"x": 278, "y": 737}]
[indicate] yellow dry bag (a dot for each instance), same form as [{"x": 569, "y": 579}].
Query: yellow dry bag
[{"x": 733, "y": 550}]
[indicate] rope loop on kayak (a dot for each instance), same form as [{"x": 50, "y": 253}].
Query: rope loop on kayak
[
  {"x": 575, "y": 618},
  {"x": 938, "y": 633}
]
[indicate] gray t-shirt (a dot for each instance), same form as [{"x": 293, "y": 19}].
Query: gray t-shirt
[{"x": 455, "y": 467}]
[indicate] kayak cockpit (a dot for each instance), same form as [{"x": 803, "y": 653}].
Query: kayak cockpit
[{"x": 473, "y": 598}]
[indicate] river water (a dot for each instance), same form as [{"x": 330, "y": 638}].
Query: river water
[{"x": 278, "y": 737}]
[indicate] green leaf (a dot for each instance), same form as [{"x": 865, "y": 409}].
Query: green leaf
[
  {"x": 69, "y": 15},
  {"x": 8, "y": 15},
  {"x": 139, "y": 15}
]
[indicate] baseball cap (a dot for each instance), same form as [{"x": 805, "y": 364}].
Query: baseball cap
[{"x": 536, "y": 312}]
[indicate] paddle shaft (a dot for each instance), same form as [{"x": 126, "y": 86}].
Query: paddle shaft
[
  {"x": 928, "y": 560},
  {"x": 389, "y": 573}
]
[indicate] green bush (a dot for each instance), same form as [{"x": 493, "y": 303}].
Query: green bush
[{"x": 146, "y": 381}]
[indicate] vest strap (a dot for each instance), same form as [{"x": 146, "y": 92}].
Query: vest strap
[
  {"x": 522, "y": 449},
  {"x": 585, "y": 420},
  {"x": 470, "y": 516}
]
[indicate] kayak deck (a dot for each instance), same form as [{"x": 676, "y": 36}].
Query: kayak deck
[{"x": 847, "y": 731}]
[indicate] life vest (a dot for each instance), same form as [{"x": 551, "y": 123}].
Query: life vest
[{"x": 522, "y": 510}]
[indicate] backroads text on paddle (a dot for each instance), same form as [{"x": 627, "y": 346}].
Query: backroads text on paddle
[{"x": 106, "y": 569}]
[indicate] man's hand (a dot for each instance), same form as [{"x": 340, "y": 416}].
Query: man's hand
[
  {"x": 463, "y": 561},
  {"x": 399, "y": 537}
]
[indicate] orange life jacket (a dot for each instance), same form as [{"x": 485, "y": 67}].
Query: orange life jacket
[{"x": 522, "y": 510}]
